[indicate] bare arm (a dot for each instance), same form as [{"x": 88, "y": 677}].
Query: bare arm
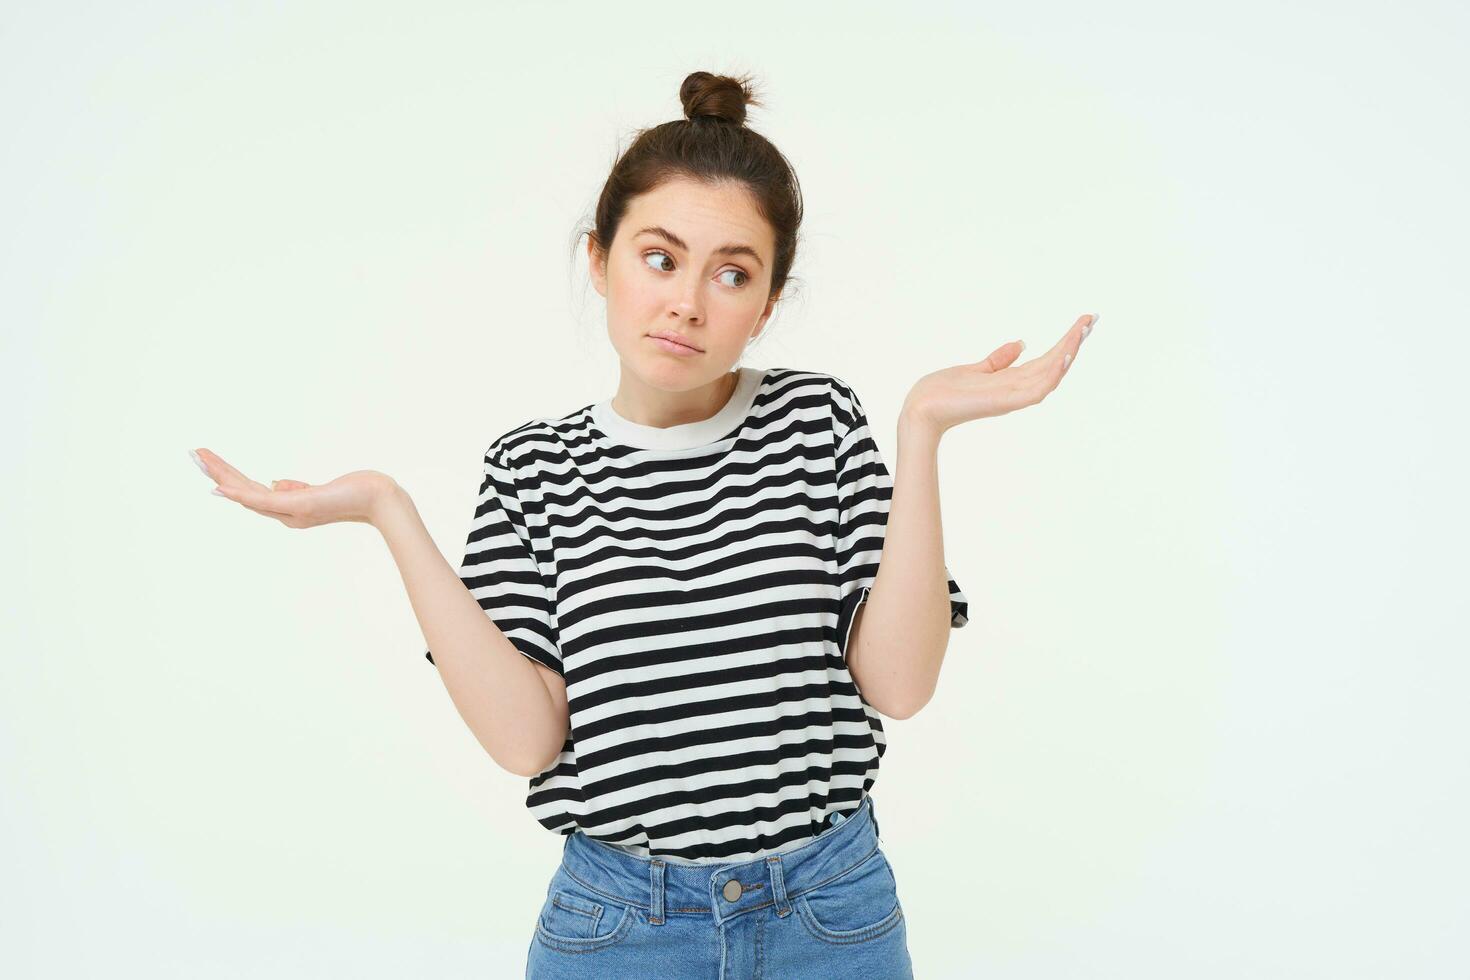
[
  {"x": 896, "y": 656},
  {"x": 516, "y": 708},
  {"x": 895, "y": 651}
]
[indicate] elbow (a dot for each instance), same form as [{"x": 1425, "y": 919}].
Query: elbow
[
  {"x": 913, "y": 701},
  {"x": 525, "y": 771},
  {"x": 908, "y": 709},
  {"x": 536, "y": 766},
  {"x": 515, "y": 763},
  {"x": 548, "y": 747}
]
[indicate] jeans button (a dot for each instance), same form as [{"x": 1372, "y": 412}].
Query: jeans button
[{"x": 732, "y": 890}]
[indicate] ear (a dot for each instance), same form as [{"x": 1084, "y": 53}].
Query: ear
[{"x": 596, "y": 267}]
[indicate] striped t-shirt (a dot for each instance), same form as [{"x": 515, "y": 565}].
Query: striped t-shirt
[{"x": 694, "y": 585}]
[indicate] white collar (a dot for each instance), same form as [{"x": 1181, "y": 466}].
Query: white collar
[{"x": 690, "y": 434}]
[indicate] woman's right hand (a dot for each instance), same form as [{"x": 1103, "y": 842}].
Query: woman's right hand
[{"x": 354, "y": 496}]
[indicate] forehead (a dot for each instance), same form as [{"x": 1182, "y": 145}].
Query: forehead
[{"x": 706, "y": 216}]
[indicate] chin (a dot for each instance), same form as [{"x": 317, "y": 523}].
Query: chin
[{"x": 677, "y": 373}]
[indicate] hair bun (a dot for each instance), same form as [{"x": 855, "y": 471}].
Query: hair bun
[{"x": 720, "y": 97}]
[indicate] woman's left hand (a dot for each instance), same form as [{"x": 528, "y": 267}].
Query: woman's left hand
[{"x": 994, "y": 386}]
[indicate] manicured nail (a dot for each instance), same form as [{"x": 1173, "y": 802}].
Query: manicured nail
[
  {"x": 1066, "y": 361},
  {"x": 199, "y": 463},
  {"x": 1022, "y": 343},
  {"x": 217, "y": 492}
]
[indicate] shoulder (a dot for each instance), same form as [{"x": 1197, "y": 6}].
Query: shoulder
[
  {"x": 819, "y": 391},
  {"x": 809, "y": 381},
  {"x": 525, "y": 448},
  {"x": 841, "y": 398}
]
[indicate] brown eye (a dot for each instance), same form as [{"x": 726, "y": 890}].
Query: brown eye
[
  {"x": 739, "y": 272},
  {"x": 658, "y": 255}
]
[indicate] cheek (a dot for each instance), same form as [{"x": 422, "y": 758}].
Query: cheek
[{"x": 632, "y": 294}]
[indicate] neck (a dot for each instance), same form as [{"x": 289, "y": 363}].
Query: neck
[{"x": 646, "y": 405}]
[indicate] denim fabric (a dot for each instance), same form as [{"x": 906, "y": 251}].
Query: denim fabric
[{"x": 826, "y": 909}]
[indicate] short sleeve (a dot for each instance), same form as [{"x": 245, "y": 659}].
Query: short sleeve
[
  {"x": 864, "y": 489},
  {"x": 501, "y": 571}
]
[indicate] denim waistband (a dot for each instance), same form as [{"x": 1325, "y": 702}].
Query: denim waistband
[{"x": 659, "y": 887}]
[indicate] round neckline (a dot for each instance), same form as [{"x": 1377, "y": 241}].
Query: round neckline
[{"x": 689, "y": 435}]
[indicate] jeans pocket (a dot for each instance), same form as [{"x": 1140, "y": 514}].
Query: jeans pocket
[
  {"x": 574, "y": 918},
  {"x": 856, "y": 906}
]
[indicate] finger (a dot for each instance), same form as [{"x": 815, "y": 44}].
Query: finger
[
  {"x": 1003, "y": 356},
  {"x": 223, "y": 472},
  {"x": 278, "y": 515},
  {"x": 194, "y": 455},
  {"x": 1082, "y": 332},
  {"x": 1070, "y": 340},
  {"x": 261, "y": 501},
  {"x": 1063, "y": 352},
  {"x": 1041, "y": 376},
  {"x": 282, "y": 517}
]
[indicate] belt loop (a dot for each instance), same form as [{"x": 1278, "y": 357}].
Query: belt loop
[
  {"x": 656, "y": 892},
  {"x": 778, "y": 886}
]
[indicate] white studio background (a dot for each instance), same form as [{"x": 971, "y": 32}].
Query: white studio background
[{"x": 1207, "y": 719}]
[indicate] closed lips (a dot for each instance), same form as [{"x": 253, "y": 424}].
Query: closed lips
[{"x": 674, "y": 338}]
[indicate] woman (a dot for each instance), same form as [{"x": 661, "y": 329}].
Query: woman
[{"x": 671, "y": 615}]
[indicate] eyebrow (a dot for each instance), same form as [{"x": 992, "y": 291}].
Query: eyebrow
[{"x": 733, "y": 248}]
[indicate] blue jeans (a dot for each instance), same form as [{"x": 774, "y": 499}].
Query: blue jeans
[{"x": 826, "y": 909}]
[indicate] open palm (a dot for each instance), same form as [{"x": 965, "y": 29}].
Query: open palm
[
  {"x": 996, "y": 385},
  {"x": 350, "y": 497}
]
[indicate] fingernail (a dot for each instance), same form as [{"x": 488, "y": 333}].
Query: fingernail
[
  {"x": 1022, "y": 343},
  {"x": 217, "y": 492},
  {"x": 1066, "y": 362},
  {"x": 199, "y": 463}
]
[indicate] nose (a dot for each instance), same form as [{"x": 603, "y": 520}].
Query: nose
[{"x": 688, "y": 304}]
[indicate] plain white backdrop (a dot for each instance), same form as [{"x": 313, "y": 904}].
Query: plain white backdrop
[{"x": 1207, "y": 718}]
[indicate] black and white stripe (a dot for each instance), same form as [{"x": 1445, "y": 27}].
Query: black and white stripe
[{"x": 697, "y": 600}]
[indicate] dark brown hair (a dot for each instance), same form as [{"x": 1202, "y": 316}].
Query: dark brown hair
[{"x": 710, "y": 144}]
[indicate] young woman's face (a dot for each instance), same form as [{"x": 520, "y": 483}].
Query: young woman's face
[{"x": 694, "y": 261}]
